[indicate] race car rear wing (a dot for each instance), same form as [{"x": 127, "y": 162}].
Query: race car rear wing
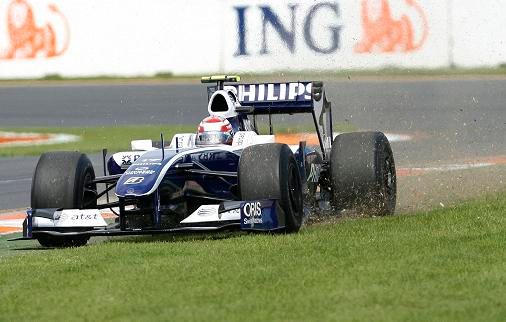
[
  {"x": 273, "y": 98},
  {"x": 282, "y": 98}
]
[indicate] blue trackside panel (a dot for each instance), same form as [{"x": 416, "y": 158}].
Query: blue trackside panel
[
  {"x": 259, "y": 215},
  {"x": 275, "y": 98}
]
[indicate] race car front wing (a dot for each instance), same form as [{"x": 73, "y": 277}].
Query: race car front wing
[{"x": 257, "y": 215}]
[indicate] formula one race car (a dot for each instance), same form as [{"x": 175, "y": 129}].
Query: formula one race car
[{"x": 226, "y": 176}]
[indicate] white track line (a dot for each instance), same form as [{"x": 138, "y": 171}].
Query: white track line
[
  {"x": 418, "y": 171},
  {"x": 15, "y": 180},
  {"x": 36, "y": 138},
  {"x": 392, "y": 137},
  {"x": 17, "y": 223},
  {"x": 455, "y": 167}
]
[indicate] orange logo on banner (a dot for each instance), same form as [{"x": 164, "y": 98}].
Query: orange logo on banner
[
  {"x": 382, "y": 33},
  {"x": 26, "y": 39}
]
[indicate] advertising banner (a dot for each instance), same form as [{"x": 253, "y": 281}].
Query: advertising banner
[
  {"x": 334, "y": 35},
  {"x": 141, "y": 38}
]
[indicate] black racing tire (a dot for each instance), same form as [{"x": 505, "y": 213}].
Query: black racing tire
[
  {"x": 363, "y": 173},
  {"x": 61, "y": 180},
  {"x": 269, "y": 171}
]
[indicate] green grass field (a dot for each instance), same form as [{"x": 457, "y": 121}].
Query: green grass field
[
  {"x": 117, "y": 138},
  {"x": 94, "y": 139},
  {"x": 444, "y": 265},
  {"x": 168, "y": 77}
]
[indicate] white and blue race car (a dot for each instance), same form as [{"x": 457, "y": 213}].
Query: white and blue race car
[{"x": 252, "y": 184}]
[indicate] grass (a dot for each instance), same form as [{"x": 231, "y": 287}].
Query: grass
[
  {"x": 444, "y": 265},
  {"x": 167, "y": 76},
  {"x": 94, "y": 139},
  {"x": 117, "y": 138}
]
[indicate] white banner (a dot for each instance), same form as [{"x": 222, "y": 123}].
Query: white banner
[
  {"x": 131, "y": 37},
  {"x": 479, "y": 33},
  {"x": 334, "y": 35}
]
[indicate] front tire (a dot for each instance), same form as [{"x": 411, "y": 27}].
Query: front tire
[
  {"x": 363, "y": 173},
  {"x": 269, "y": 171},
  {"x": 61, "y": 180}
]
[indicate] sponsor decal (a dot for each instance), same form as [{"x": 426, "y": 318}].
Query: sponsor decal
[
  {"x": 127, "y": 159},
  {"x": 231, "y": 214},
  {"x": 252, "y": 213},
  {"x": 187, "y": 141},
  {"x": 206, "y": 211},
  {"x": 134, "y": 180},
  {"x": 384, "y": 33},
  {"x": 207, "y": 156},
  {"x": 140, "y": 172},
  {"x": 78, "y": 218},
  {"x": 239, "y": 139},
  {"x": 283, "y": 24},
  {"x": 259, "y": 215},
  {"x": 210, "y": 213},
  {"x": 181, "y": 141},
  {"x": 274, "y": 92},
  {"x": 314, "y": 173},
  {"x": 388, "y": 26},
  {"x": 31, "y": 35},
  {"x": 190, "y": 140},
  {"x": 148, "y": 163},
  {"x": 75, "y": 216}
]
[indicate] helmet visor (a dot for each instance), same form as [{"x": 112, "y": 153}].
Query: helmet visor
[{"x": 213, "y": 138}]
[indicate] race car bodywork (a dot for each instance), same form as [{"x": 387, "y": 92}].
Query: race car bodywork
[{"x": 254, "y": 184}]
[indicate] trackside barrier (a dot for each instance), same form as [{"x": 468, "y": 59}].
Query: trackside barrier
[{"x": 132, "y": 37}]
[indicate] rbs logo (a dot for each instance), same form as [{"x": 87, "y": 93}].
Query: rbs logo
[{"x": 325, "y": 40}]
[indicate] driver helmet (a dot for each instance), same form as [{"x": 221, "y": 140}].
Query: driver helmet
[{"x": 214, "y": 130}]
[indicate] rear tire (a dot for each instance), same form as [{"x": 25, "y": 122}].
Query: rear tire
[
  {"x": 269, "y": 171},
  {"x": 61, "y": 180},
  {"x": 363, "y": 173}
]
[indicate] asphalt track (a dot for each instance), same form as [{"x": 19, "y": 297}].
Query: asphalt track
[{"x": 451, "y": 121}]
